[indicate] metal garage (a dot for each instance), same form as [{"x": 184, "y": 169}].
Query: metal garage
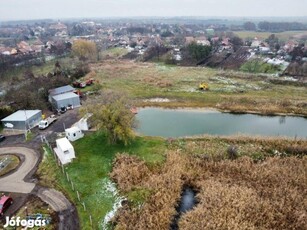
[
  {"x": 22, "y": 119},
  {"x": 65, "y": 99},
  {"x": 60, "y": 90}
]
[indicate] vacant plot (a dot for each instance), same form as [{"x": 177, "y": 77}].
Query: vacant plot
[
  {"x": 263, "y": 190},
  {"x": 233, "y": 91}
]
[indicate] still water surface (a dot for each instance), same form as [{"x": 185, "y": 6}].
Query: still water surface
[{"x": 187, "y": 122}]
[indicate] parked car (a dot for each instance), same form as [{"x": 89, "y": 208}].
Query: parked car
[
  {"x": 63, "y": 109},
  {"x": 5, "y": 203},
  {"x": 2, "y": 138},
  {"x": 70, "y": 107},
  {"x": 43, "y": 124}
]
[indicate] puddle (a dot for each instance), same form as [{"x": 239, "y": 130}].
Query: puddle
[{"x": 187, "y": 202}]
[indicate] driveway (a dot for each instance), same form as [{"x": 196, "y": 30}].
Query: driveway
[
  {"x": 20, "y": 182},
  {"x": 15, "y": 182}
]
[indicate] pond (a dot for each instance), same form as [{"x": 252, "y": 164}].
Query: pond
[
  {"x": 189, "y": 122},
  {"x": 187, "y": 202}
]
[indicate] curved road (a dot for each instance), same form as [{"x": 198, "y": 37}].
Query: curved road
[{"x": 16, "y": 183}]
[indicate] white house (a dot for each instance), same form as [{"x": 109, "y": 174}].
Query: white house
[
  {"x": 256, "y": 43},
  {"x": 203, "y": 42},
  {"x": 73, "y": 133},
  {"x": 64, "y": 150}
]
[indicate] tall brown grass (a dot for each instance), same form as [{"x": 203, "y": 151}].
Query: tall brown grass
[
  {"x": 244, "y": 195},
  {"x": 232, "y": 193},
  {"x": 165, "y": 183}
]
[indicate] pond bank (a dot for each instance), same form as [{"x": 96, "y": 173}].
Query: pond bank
[{"x": 166, "y": 105}]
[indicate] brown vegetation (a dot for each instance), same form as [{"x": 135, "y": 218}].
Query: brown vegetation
[
  {"x": 261, "y": 189},
  {"x": 244, "y": 195},
  {"x": 165, "y": 187}
]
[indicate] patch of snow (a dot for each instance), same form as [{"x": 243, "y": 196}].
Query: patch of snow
[
  {"x": 157, "y": 99},
  {"x": 110, "y": 188}
]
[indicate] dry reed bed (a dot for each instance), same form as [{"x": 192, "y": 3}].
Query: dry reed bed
[
  {"x": 164, "y": 184},
  {"x": 232, "y": 194},
  {"x": 242, "y": 194}
]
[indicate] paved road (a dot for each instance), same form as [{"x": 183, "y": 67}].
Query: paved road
[
  {"x": 55, "y": 199},
  {"x": 20, "y": 181},
  {"x": 15, "y": 181}
]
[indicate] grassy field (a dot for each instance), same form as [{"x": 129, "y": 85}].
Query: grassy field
[
  {"x": 113, "y": 53},
  {"x": 229, "y": 90},
  {"x": 90, "y": 172},
  {"x": 233, "y": 91},
  {"x": 14, "y": 162},
  {"x": 283, "y": 36},
  {"x": 261, "y": 186}
]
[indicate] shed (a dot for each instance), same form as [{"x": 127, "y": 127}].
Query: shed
[
  {"x": 84, "y": 123},
  {"x": 65, "y": 99},
  {"x": 64, "y": 150},
  {"x": 22, "y": 119},
  {"x": 60, "y": 90},
  {"x": 73, "y": 133}
]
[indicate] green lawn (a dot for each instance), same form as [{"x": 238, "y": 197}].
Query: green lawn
[{"x": 90, "y": 172}]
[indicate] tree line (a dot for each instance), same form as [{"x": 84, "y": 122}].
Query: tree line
[{"x": 274, "y": 26}]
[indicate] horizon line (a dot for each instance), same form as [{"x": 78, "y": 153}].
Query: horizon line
[{"x": 150, "y": 17}]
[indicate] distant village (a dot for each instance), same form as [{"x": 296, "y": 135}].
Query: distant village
[{"x": 38, "y": 42}]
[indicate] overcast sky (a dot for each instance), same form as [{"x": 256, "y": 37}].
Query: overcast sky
[{"x": 38, "y": 9}]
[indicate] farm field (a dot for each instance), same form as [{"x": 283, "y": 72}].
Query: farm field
[{"x": 283, "y": 36}]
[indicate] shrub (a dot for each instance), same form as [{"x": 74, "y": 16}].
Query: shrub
[{"x": 232, "y": 152}]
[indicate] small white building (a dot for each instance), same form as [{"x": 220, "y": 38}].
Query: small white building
[
  {"x": 83, "y": 123},
  {"x": 64, "y": 150},
  {"x": 73, "y": 133}
]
